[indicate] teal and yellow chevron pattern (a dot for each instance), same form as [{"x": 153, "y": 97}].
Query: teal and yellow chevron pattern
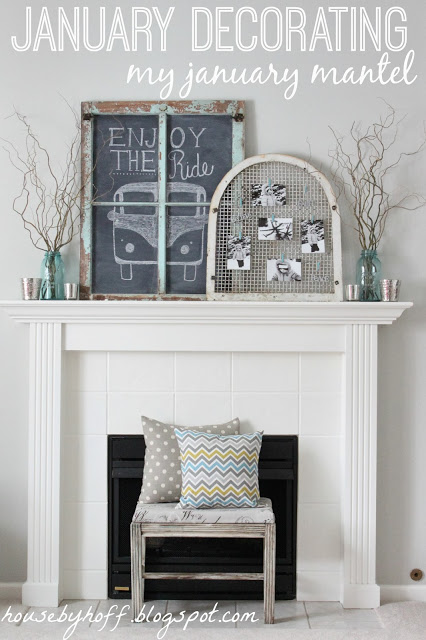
[{"x": 219, "y": 471}]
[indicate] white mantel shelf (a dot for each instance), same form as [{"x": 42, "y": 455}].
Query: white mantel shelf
[
  {"x": 196, "y": 312},
  {"x": 350, "y": 329}
]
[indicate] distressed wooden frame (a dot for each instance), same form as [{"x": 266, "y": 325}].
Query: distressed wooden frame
[
  {"x": 337, "y": 296},
  {"x": 234, "y": 108},
  {"x": 139, "y": 532}
]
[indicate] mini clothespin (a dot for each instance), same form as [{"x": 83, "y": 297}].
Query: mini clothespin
[
  {"x": 240, "y": 235},
  {"x": 241, "y": 201},
  {"x": 282, "y": 257},
  {"x": 312, "y": 218},
  {"x": 318, "y": 265},
  {"x": 273, "y": 217},
  {"x": 269, "y": 182},
  {"x": 306, "y": 188}
]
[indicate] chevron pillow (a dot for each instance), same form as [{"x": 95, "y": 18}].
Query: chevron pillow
[{"x": 219, "y": 471}]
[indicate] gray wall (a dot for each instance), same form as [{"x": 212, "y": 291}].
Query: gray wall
[{"x": 34, "y": 84}]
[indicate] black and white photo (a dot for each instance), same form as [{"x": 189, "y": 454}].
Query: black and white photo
[
  {"x": 275, "y": 228},
  {"x": 284, "y": 270},
  {"x": 268, "y": 195},
  {"x": 312, "y": 236},
  {"x": 239, "y": 253}
]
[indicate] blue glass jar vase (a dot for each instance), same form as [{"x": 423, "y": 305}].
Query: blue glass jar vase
[
  {"x": 53, "y": 276},
  {"x": 368, "y": 275}
]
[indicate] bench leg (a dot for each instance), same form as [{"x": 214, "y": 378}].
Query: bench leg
[
  {"x": 269, "y": 573},
  {"x": 137, "y": 543}
]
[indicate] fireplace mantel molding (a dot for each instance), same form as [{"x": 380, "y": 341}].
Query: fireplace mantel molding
[
  {"x": 169, "y": 312},
  {"x": 347, "y": 328}
]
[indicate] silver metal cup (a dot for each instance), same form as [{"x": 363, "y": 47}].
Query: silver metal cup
[
  {"x": 71, "y": 291},
  {"x": 389, "y": 290},
  {"x": 353, "y": 292},
  {"x": 30, "y": 288}
]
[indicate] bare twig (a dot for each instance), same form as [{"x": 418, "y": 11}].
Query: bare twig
[
  {"x": 49, "y": 201},
  {"x": 361, "y": 169}
]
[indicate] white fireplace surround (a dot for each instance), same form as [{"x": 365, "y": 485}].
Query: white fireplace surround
[{"x": 317, "y": 343}]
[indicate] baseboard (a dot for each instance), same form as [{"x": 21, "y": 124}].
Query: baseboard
[
  {"x": 402, "y": 593},
  {"x": 84, "y": 585},
  {"x": 361, "y": 596},
  {"x": 40, "y": 594},
  {"x": 388, "y": 592},
  {"x": 11, "y": 590},
  {"x": 318, "y": 585}
]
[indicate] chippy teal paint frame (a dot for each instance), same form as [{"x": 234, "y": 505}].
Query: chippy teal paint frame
[{"x": 234, "y": 108}]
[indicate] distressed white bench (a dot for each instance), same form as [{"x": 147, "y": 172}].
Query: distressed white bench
[{"x": 167, "y": 521}]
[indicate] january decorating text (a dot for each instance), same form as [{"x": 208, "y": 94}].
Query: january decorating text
[{"x": 281, "y": 32}]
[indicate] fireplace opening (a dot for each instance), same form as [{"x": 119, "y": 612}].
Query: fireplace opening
[{"x": 278, "y": 481}]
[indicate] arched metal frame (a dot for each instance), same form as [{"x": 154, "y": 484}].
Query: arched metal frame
[{"x": 231, "y": 211}]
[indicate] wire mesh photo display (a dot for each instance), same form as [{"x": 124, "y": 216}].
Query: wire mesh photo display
[{"x": 290, "y": 231}]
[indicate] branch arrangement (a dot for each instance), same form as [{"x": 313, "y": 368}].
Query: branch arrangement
[
  {"x": 361, "y": 171},
  {"x": 49, "y": 200}
]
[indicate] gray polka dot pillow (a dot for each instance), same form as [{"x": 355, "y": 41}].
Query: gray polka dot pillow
[{"x": 162, "y": 479}]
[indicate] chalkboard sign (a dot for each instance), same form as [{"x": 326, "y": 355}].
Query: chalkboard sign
[{"x": 150, "y": 171}]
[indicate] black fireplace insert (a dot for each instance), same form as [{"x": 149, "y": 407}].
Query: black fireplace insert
[{"x": 278, "y": 481}]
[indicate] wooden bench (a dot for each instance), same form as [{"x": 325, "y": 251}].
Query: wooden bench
[{"x": 167, "y": 521}]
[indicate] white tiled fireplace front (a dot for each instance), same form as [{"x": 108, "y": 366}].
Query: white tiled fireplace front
[
  {"x": 287, "y": 368},
  {"x": 279, "y": 393}
]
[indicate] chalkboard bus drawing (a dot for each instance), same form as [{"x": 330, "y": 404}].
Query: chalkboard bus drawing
[
  {"x": 135, "y": 235},
  {"x": 185, "y": 234},
  {"x": 148, "y": 239}
]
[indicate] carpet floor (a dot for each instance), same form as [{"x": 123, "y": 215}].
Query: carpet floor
[{"x": 294, "y": 621}]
